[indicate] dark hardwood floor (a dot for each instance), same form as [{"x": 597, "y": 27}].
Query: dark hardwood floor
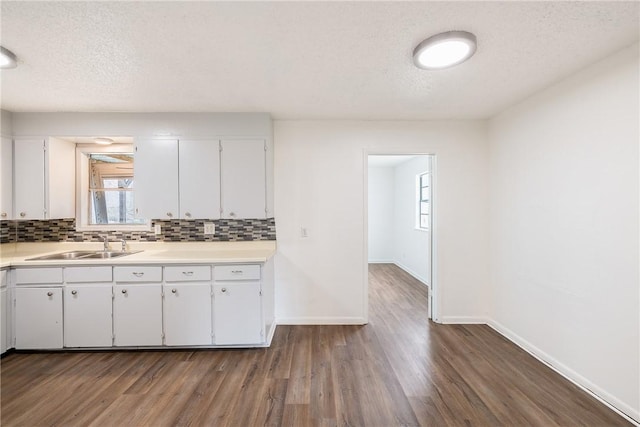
[{"x": 399, "y": 370}]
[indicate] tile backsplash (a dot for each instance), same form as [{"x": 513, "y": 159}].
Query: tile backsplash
[{"x": 64, "y": 230}]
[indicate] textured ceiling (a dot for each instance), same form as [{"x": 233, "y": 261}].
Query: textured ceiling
[{"x": 346, "y": 60}]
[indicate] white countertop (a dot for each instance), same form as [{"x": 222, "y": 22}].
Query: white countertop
[{"x": 17, "y": 254}]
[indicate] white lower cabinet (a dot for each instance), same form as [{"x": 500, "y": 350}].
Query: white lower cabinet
[
  {"x": 137, "y": 314},
  {"x": 137, "y": 306},
  {"x": 237, "y": 305},
  {"x": 88, "y": 295},
  {"x": 4, "y": 314},
  {"x": 38, "y": 312},
  {"x": 87, "y": 315},
  {"x": 187, "y": 313},
  {"x": 38, "y": 308},
  {"x": 187, "y": 305}
]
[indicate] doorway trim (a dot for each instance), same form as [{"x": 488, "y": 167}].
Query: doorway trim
[{"x": 434, "y": 289}]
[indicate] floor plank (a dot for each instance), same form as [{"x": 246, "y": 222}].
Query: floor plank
[{"x": 399, "y": 370}]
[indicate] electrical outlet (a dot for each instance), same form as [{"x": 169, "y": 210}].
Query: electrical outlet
[
  {"x": 303, "y": 232},
  {"x": 209, "y": 228},
  {"x": 157, "y": 228}
]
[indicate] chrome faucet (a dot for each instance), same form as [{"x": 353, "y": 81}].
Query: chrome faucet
[{"x": 106, "y": 243}]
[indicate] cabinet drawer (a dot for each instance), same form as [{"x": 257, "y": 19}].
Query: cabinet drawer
[
  {"x": 138, "y": 274},
  {"x": 236, "y": 272},
  {"x": 88, "y": 274},
  {"x": 38, "y": 275},
  {"x": 187, "y": 273}
]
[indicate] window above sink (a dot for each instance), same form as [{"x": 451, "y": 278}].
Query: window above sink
[{"x": 104, "y": 188}]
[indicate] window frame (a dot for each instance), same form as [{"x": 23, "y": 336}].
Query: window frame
[
  {"x": 420, "y": 201},
  {"x": 83, "y": 201}
]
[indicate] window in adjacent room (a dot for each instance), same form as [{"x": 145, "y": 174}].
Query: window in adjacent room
[{"x": 423, "y": 219}]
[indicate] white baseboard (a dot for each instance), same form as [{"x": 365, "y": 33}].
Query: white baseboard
[
  {"x": 423, "y": 280},
  {"x": 380, "y": 261},
  {"x": 630, "y": 414},
  {"x": 322, "y": 321},
  {"x": 463, "y": 320}
]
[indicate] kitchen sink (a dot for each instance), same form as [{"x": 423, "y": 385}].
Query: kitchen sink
[
  {"x": 73, "y": 255},
  {"x": 105, "y": 255}
]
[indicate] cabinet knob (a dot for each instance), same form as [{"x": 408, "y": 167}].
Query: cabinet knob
[
  {"x": 169, "y": 214},
  {"x": 49, "y": 294},
  {"x": 223, "y": 290},
  {"x": 187, "y": 214},
  {"x": 124, "y": 291},
  {"x": 23, "y": 214},
  {"x": 173, "y": 291},
  {"x": 74, "y": 292},
  {"x": 4, "y": 214}
]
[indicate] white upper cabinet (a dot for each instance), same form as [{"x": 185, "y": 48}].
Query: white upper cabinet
[
  {"x": 156, "y": 178},
  {"x": 243, "y": 178},
  {"x": 199, "y": 179},
  {"x": 6, "y": 179},
  {"x": 29, "y": 179},
  {"x": 44, "y": 178},
  {"x": 177, "y": 179}
]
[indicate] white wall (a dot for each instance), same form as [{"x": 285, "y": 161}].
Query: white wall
[
  {"x": 411, "y": 249},
  {"x": 6, "y": 123},
  {"x": 320, "y": 185},
  {"x": 564, "y": 227},
  {"x": 381, "y": 193}
]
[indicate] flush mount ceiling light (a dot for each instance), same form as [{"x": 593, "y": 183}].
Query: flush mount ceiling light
[
  {"x": 444, "y": 50},
  {"x": 103, "y": 141},
  {"x": 7, "y": 58}
]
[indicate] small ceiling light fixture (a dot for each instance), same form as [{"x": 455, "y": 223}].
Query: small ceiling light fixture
[
  {"x": 103, "y": 141},
  {"x": 7, "y": 58},
  {"x": 444, "y": 50}
]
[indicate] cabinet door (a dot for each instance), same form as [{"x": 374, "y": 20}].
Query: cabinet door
[
  {"x": 6, "y": 179},
  {"x": 137, "y": 314},
  {"x": 28, "y": 174},
  {"x": 237, "y": 313},
  {"x": 4, "y": 321},
  {"x": 156, "y": 179},
  {"x": 87, "y": 316},
  {"x": 243, "y": 179},
  {"x": 38, "y": 318},
  {"x": 187, "y": 313},
  {"x": 199, "y": 169}
]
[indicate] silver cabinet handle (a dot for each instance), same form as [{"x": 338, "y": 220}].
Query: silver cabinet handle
[
  {"x": 49, "y": 294},
  {"x": 74, "y": 292},
  {"x": 169, "y": 214},
  {"x": 138, "y": 273},
  {"x": 223, "y": 290},
  {"x": 188, "y": 273},
  {"x": 187, "y": 214},
  {"x": 236, "y": 271},
  {"x": 173, "y": 291},
  {"x": 124, "y": 291},
  {"x": 23, "y": 214}
]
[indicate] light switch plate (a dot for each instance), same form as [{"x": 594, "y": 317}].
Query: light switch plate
[
  {"x": 157, "y": 228},
  {"x": 209, "y": 228}
]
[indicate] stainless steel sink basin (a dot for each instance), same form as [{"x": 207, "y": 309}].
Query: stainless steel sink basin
[
  {"x": 104, "y": 255},
  {"x": 73, "y": 255}
]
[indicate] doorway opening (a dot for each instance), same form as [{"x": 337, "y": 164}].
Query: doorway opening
[{"x": 399, "y": 218}]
